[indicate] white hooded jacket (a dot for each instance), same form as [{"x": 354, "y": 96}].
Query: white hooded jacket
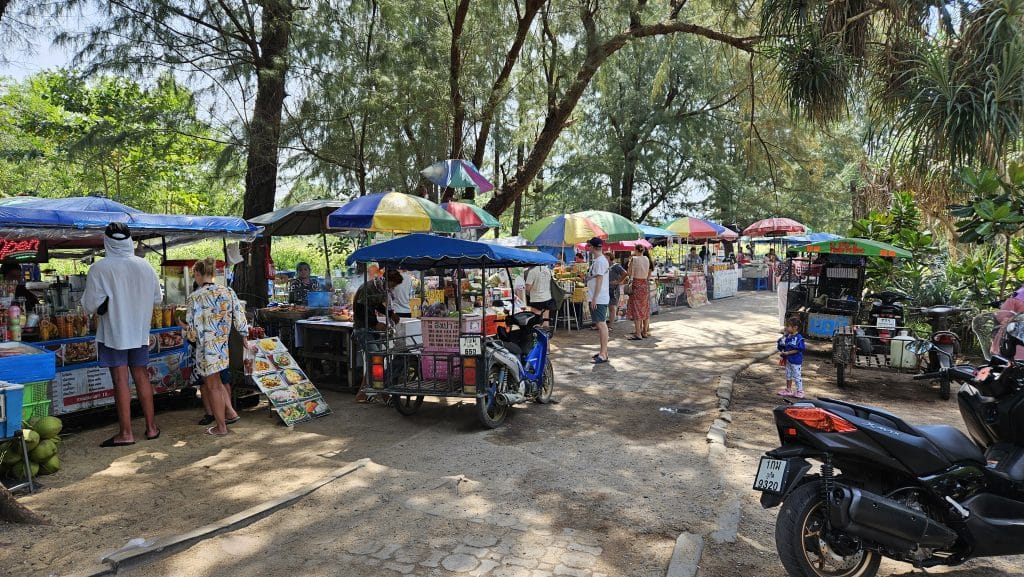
[{"x": 133, "y": 288}]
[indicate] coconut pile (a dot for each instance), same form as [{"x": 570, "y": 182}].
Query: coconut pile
[{"x": 42, "y": 442}]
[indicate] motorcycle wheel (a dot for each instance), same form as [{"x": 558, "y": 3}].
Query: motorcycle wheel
[
  {"x": 840, "y": 375},
  {"x": 803, "y": 548},
  {"x": 407, "y": 405},
  {"x": 491, "y": 414},
  {"x": 544, "y": 394}
]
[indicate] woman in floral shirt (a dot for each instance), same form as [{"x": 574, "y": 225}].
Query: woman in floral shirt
[{"x": 210, "y": 312}]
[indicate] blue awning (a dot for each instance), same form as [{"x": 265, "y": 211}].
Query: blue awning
[
  {"x": 93, "y": 203},
  {"x": 424, "y": 251}
]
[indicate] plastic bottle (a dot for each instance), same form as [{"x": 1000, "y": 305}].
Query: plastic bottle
[{"x": 14, "y": 322}]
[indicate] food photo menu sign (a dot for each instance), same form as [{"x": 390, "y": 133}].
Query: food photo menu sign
[{"x": 278, "y": 376}]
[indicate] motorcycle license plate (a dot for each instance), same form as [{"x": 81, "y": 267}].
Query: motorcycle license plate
[
  {"x": 471, "y": 346},
  {"x": 885, "y": 323},
  {"x": 771, "y": 475}
]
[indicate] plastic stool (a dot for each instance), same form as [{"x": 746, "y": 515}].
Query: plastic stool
[{"x": 762, "y": 283}]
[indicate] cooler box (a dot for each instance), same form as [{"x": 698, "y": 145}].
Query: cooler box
[
  {"x": 11, "y": 396},
  {"x": 318, "y": 300},
  {"x": 24, "y": 363}
]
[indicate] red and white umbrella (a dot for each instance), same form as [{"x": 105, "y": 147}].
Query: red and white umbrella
[{"x": 774, "y": 227}]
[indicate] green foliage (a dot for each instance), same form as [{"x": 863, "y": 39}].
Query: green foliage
[
  {"x": 996, "y": 212},
  {"x": 921, "y": 276},
  {"x": 63, "y": 136}
]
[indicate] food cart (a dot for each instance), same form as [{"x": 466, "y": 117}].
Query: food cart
[
  {"x": 452, "y": 360},
  {"x": 64, "y": 330}
]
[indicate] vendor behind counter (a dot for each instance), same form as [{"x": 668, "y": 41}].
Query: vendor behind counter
[
  {"x": 11, "y": 272},
  {"x": 300, "y": 286}
]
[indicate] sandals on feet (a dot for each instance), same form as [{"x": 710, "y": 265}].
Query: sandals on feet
[
  {"x": 210, "y": 431},
  {"x": 154, "y": 437},
  {"x": 634, "y": 338},
  {"x": 112, "y": 443},
  {"x": 206, "y": 420},
  {"x": 233, "y": 420}
]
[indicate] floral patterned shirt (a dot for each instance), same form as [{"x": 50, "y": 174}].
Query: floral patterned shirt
[{"x": 210, "y": 312}]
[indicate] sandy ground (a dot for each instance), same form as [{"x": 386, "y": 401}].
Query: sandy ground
[
  {"x": 753, "y": 432},
  {"x": 600, "y": 483}
]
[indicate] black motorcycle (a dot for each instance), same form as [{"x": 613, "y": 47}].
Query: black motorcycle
[
  {"x": 885, "y": 317},
  {"x": 923, "y": 494}
]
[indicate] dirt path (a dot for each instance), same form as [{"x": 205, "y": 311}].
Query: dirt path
[
  {"x": 600, "y": 483},
  {"x": 752, "y": 432}
]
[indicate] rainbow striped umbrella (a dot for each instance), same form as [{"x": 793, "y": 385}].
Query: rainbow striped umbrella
[
  {"x": 617, "y": 226},
  {"x": 690, "y": 227},
  {"x": 563, "y": 230},
  {"x": 470, "y": 215},
  {"x": 393, "y": 212}
]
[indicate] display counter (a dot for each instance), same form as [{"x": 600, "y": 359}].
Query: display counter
[
  {"x": 326, "y": 352},
  {"x": 80, "y": 383},
  {"x": 724, "y": 281}
]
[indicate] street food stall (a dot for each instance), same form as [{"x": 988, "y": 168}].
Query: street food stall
[
  {"x": 60, "y": 327},
  {"x": 456, "y": 356}
]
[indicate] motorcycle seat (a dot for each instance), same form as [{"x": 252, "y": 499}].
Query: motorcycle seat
[
  {"x": 939, "y": 311},
  {"x": 952, "y": 442},
  {"x": 513, "y": 348}
]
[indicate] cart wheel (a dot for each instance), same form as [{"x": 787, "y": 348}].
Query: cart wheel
[
  {"x": 544, "y": 395},
  {"x": 944, "y": 389},
  {"x": 407, "y": 405},
  {"x": 491, "y": 414},
  {"x": 840, "y": 375}
]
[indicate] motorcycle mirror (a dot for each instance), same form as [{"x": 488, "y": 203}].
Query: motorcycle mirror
[{"x": 919, "y": 347}]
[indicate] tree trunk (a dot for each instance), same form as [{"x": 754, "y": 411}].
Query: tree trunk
[
  {"x": 3, "y": 8},
  {"x": 454, "y": 72},
  {"x": 559, "y": 113},
  {"x": 524, "y": 22},
  {"x": 264, "y": 137},
  {"x": 14, "y": 512},
  {"x": 625, "y": 204},
  {"x": 517, "y": 212}
]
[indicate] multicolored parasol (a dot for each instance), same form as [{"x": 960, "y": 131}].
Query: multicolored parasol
[
  {"x": 470, "y": 215},
  {"x": 617, "y": 226},
  {"x": 456, "y": 173},
  {"x": 774, "y": 227},
  {"x": 690, "y": 227},
  {"x": 393, "y": 212},
  {"x": 620, "y": 246},
  {"x": 563, "y": 230},
  {"x": 855, "y": 247}
]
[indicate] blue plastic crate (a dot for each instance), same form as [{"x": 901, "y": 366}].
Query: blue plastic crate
[
  {"x": 11, "y": 397},
  {"x": 24, "y": 363}
]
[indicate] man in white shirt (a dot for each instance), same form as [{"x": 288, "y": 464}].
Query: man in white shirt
[
  {"x": 538, "y": 292},
  {"x": 597, "y": 286},
  {"x": 122, "y": 289},
  {"x": 400, "y": 296}
]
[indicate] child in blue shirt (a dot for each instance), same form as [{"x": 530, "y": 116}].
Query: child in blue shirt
[{"x": 791, "y": 350}]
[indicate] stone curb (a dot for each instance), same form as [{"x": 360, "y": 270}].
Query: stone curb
[{"x": 689, "y": 547}]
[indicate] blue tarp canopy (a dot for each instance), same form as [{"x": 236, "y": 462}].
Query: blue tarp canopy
[
  {"x": 84, "y": 228},
  {"x": 424, "y": 251},
  {"x": 809, "y": 238},
  {"x": 94, "y": 203}
]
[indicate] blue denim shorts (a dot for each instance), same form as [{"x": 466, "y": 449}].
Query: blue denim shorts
[
  {"x": 599, "y": 314},
  {"x": 110, "y": 358}
]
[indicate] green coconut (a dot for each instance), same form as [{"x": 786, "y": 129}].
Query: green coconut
[
  {"x": 12, "y": 456},
  {"x": 21, "y": 470},
  {"x": 51, "y": 466},
  {"x": 48, "y": 427},
  {"x": 43, "y": 451},
  {"x": 32, "y": 422},
  {"x": 32, "y": 438}
]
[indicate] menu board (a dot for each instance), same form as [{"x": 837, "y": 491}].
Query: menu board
[
  {"x": 696, "y": 289},
  {"x": 90, "y": 387},
  {"x": 278, "y": 376}
]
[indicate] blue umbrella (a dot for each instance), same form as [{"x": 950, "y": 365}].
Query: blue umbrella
[{"x": 456, "y": 173}]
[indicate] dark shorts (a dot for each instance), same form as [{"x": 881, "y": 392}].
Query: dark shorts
[
  {"x": 599, "y": 314},
  {"x": 548, "y": 305},
  {"x": 110, "y": 358}
]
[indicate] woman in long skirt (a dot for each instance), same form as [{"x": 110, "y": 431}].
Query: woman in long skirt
[{"x": 639, "y": 306}]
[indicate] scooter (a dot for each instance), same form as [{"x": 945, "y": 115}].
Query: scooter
[
  {"x": 885, "y": 316},
  {"x": 518, "y": 368},
  {"x": 923, "y": 494},
  {"x": 939, "y": 319}
]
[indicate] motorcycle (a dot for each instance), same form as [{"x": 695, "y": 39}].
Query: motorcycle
[
  {"x": 884, "y": 317},
  {"x": 923, "y": 494},
  {"x": 518, "y": 370},
  {"x": 938, "y": 318}
]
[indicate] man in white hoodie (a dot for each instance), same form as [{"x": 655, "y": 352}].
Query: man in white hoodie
[{"x": 122, "y": 289}]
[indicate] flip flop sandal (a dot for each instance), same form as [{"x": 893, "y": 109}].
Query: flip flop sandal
[
  {"x": 206, "y": 420},
  {"x": 634, "y": 338},
  {"x": 154, "y": 437},
  {"x": 233, "y": 421},
  {"x": 599, "y": 360},
  {"x": 112, "y": 443},
  {"x": 209, "y": 431}
]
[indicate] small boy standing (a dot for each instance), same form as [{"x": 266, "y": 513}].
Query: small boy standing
[{"x": 791, "y": 350}]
